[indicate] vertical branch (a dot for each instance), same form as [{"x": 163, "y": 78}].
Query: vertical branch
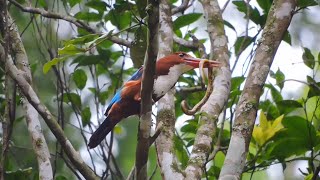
[
  {"x": 213, "y": 107},
  {"x": 7, "y": 122},
  {"x": 38, "y": 141},
  {"x": 166, "y": 115},
  {"x": 10, "y": 95},
  {"x": 277, "y": 23},
  {"x": 145, "y": 123}
]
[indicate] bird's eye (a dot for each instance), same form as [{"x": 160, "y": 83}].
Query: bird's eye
[{"x": 181, "y": 54}]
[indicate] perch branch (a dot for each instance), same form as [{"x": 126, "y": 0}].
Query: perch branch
[{"x": 145, "y": 122}]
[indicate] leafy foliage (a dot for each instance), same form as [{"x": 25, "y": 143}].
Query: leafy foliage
[
  {"x": 267, "y": 129},
  {"x": 185, "y": 20},
  {"x": 89, "y": 68}
]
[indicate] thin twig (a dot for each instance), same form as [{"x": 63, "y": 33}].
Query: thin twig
[
  {"x": 184, "y": 5},
  {"x": 68, "y": 18}
]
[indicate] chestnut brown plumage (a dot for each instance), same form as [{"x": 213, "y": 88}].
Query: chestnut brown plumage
[{"x": 126, "y": 101}]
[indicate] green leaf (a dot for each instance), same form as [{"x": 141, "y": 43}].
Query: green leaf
[
  {"x": 141, "y": 5},
  {"x": 81, "y": 40},
  {"x": 92, "y": 90},
  {"x": 73, "y": 2},
  {"x": 287, "y": 37},
  {"x": 190, "y": 142},
  {"x": 70, "y": 50},
  {"x": 314, "y": 87},
  {"x": 19, "y": 174},
  {"x": 256, "y": 18},
  {"x": 308, "y": 58},
  {"x": 213, "y": 172},
  {"x": 298, "y": 136},
  {"x": 72, "y": 98},
  {"x": 85, "y": 116},
  {"x": 48, "y": 65},
  {"x": 306, "y": 3},
  {"x": 34, "y": 67},
  {"x": 101, "y": 70},
  {"x": 229, "y": 25},
  {"x": 99, "y": 39},
  {"x": 43, "y": 4},
  {"x": 181, "y": 152},
  {"x": 139, "y": 46},
  {"x": 234, "y": 97},
  {"x": 241, "y": 5},
  {"x": 236, "y": 82},
  {"x": 88, "y": 16},
  {"x": 121, "y": 6},
  {"x": 120, "y": 20},
  {"x": 21, "y": 1},
  {"x": 310, "y": 80},
  {"x": 189, "y": 128},
  {"x": 98, "y": 5},
  {"x": 80, "y": 78},
  {"x": 254, "y": 14},
  {"x": 279, "y": 77},
  {"x": 314, "y": 90},
  {"x": 84, "y": 60},
  {"x": 185, "y": 20},
  {"x": 287, "y": 106},
  {"x": 60, "y": 177},
  {"x": 265, "y": 5},
  {"x": 271, "y": 110},
  {"x": 309, "y": 177},
  {"x": 242, "y": 43},
  {"x": 235, "y": 90},
  {"x": 103, "y": 96},
  {"x": 118, "y": 129},
  {"x": 276, "y": 95}
]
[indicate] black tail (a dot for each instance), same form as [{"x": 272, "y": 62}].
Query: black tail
[{"x": 101, "y": 133}]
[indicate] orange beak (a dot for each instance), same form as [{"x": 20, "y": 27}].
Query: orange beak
[{"x": 195, "y": 62}]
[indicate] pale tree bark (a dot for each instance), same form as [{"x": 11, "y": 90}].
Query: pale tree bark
[
  {"x": 38, "y": 141},
  {"x": 166, "y": 115},
  {"x": 212, "y": 108},
  {"x": 277, "y": 23},
  {"x": 21, "y": 74},
  {"x": 145, "y": 122},
  {"x": 15, "y": 47},
  {"x": 34, "y": 127},
  {"x": 26, "y": 89}
]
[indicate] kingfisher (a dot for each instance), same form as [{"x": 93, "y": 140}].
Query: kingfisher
[{"x": 126, "y": 101}]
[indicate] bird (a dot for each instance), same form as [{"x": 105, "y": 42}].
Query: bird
[{"x": 126, "y": 101}]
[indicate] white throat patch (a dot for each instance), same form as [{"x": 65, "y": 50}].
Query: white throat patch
[{"x": 165, "y": 82}]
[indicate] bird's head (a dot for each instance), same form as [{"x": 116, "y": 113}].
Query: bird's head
[{"x": 183, "y": 63}]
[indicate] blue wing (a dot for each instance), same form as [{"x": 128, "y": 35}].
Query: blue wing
[
  {"x": 117, "y": 97},
  {"x": 137, "y": 75}
]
